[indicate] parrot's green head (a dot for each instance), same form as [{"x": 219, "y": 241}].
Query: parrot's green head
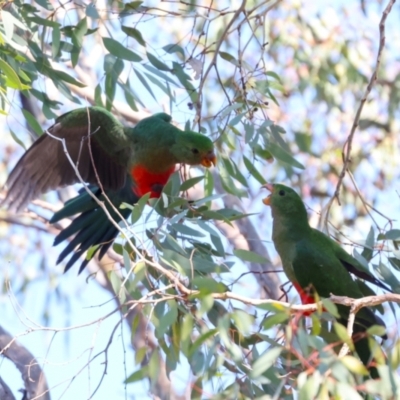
[
  {"x": 193, "y": 149},
  {"x": 284, "y": 201}
]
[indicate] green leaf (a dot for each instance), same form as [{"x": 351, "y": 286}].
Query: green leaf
[
  {"x": 310, "y": 388},
  {"x": 139, "y": 207},
  {"x": 208, "y": 185},
  {"x": 367, "y": 252},
  {"x": 144, "y": 83},
  {"x": 55, "y": 74},
  {"x": 116, "y": 284},
  {"x": 129, "y": 96},
  {"x": 189, "y": 263},
  {"x": 243, "y": 321},
  {"x": 354, "y": 365},
  {"x": 393, "y": 234},
  {"x": 118, "y": 50},
  {"x": 17, "y": 139},
  {"x": 395, "y": 263},
  {"x": 234, "y": 171},
  {"x": 174, "y": 48},
  {"x": 45, "y": 4},
  {"x": 377, "y": 330},
  {"x": 274, "y": 320},
  {"x": 185, "y": 230},
  {"x": 167, "y": 319},
  {"x": 303, "y": 141},
  {"x": 91, "y": 11},
  {"x": 274, "y": 75},
  {"x": 190, "y": 183},
  {"x": 79, "y": 32},
  {"x": 209, "y": 285},
  {"x": 43, "y": 22},
  {"x": 12, "y": 79},
  {"x": 157, "y": 63},
  {"x": 133, "y": 5},
  {"x": 159, "y": 73},
  {"x": 55, "y": 44},
  {"x": 127, "y": 259},
  {"x": 185, "y": 80},
  {"x": 341, "y": 331},
  {"x": 280, "y": 154},
  {"x": 138, "y": 375},
  {"x": 330, "y": 307},
  {"x": 228, "y": 184},
  {"x": 164, "y": 88},
  {"x": 231, "y": 108},
  {"x": 97, "y": 96},
  {"x": 140, "y": 274},
  {"x": 265, "y": 361},
  {"x": 32, "y": 122},
  {"x": 229, "y": 57},
  {"x": 250, "y": 256},
  {"x": 253, "y": 170},
  {"x": 134, "y": 33}
]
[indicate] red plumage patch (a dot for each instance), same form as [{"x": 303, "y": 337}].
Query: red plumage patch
[
  {"x": 305, "y": 297},
  {"x": 148, "y": 182}
]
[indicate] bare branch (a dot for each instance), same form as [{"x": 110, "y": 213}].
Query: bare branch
[
  {"x": 5, "y": 392},
  {"x": 32, "y": 375}
]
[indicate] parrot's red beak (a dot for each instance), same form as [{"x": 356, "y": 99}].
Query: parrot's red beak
[
  {"x": 209, "y": 159},
  {"x": 270, "y": 187}
]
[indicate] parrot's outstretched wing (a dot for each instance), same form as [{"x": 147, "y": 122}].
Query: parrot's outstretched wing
[{"x": 95, "y": 142}]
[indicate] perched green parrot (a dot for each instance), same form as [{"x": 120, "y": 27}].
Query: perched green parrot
[
  {"x": 314, "y": 262},
  {"x": 128, "y": 163}
]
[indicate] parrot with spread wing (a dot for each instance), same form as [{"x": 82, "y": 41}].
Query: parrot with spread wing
[
  {"x": 120, "y": 163},
  {"x": 314, "y": 262}
]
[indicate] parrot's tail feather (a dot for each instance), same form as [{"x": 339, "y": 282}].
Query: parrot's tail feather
[{"x": 92, "y": 227}]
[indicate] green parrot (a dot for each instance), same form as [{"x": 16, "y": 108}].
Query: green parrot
[
  {"x": 124, "y": 162},
  {"x": 314, "y": 262}
]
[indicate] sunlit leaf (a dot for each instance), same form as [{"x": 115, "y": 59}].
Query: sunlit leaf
[
  {"x": 250, "y": 256},
  {"x": 32, "y": 122},
  {"x": 265, "y": 361},
  {"x": 120, "y": 51}
]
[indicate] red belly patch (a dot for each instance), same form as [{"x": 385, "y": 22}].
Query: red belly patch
[
  {"x": 306, "y": 298},
  {"x": 149, "y": 182}
]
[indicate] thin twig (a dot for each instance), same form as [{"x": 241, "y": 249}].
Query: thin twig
[
  {"x": 347, "y": 147},
  {"x": 216, "y": 52}
]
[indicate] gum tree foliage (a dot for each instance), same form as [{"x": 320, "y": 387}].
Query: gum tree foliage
[{"x": 276, "y": 85}]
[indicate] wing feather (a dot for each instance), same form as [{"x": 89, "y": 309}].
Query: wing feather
[{"x": 45, "y": 166}]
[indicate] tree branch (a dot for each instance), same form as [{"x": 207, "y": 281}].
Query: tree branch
[
  {"x": 5, "y": 392},
  {"x": 347, "y": 147},
  {"x": 32, "y": 375}
]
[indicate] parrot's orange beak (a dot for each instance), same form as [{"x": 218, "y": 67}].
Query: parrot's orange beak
[
  {"x": 270, "y": 187},
  {"x": 209, "y": 159}
]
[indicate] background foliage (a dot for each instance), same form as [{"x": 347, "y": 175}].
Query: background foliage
[{"x": 276, "y": 84}]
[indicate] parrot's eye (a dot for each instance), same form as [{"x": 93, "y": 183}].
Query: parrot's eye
[
  {"x": 282, "y": 192},
  {"x": 195, "y": 151}
]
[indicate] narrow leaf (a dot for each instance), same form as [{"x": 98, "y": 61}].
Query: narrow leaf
[
  {"x": 247, "y": 255},
  {"x": 120, "y": 51}
]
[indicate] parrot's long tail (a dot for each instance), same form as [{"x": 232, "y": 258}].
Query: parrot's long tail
[
  {"x": 363, "y": 342},
  {"x": 92, "y": 227}
]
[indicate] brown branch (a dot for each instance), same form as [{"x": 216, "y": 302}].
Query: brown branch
[
  {"x": 347, "y": 147},
  {"x": 355, "y": 305},
  {"x": 5, "y": 391},
  {"x": 32, "y": 375}
]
